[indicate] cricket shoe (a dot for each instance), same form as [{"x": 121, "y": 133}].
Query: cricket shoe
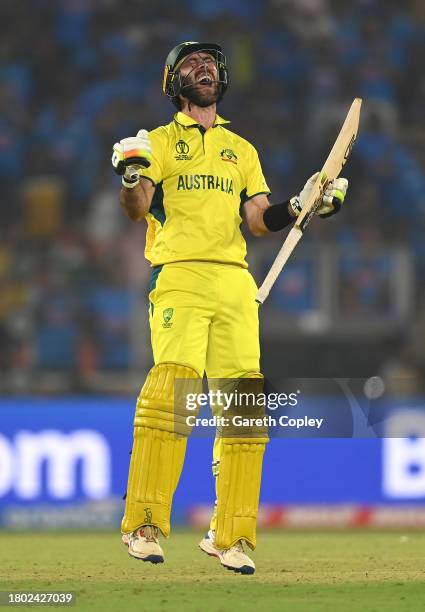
[
  {"x": 143, "y": 544},
  {"x": 234, "y": 558}
]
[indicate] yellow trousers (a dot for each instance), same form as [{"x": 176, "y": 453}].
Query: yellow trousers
[{"x": 204, "y": 315}]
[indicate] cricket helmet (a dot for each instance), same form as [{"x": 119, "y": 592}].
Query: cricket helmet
[{"x": 174, "y": 82}]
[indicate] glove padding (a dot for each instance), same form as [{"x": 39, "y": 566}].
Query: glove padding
[
  {"x": 130, "y": 155},
  {"x": 332, "y": 199}
]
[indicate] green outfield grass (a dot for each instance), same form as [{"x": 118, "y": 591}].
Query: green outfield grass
[{"x": 296, "y": 572}]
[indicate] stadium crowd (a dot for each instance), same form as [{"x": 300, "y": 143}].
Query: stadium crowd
[{"x": 78, "y": 75}]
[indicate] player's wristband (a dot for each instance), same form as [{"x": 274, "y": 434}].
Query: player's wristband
[{"x": 277, "y": 217}]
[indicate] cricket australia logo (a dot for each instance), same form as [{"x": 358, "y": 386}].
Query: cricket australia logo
[
  {"x": 148, "y": 516},
  {"x": 228, "y": 155},
  {"x": 167, "y": 315},
  {"x": 182, "y": 150}
]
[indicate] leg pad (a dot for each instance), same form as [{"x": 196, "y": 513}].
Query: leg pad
[
  {"x": 160, "y": 437},
  {"x": 238, "y": 491}
]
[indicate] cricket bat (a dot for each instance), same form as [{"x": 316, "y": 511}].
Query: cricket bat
[{"x": 331, "y": 169}]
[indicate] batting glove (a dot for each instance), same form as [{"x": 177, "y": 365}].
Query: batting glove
[
  {"x": 130, "y": 155},
  {"x": 332, "y": 199}
]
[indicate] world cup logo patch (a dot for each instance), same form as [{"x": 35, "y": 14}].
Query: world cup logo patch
[{"x": 182, "y": 150}]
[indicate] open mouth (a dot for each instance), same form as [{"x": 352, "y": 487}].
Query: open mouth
[{"x": 204, "y": 80}]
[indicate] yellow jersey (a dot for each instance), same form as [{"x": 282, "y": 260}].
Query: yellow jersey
[{"x": 202, "y": 178}]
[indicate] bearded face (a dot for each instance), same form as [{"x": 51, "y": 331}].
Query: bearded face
[{"x": 200, "y": 79}]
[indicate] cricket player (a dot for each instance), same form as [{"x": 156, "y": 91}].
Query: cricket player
[{"x": 194, "y": 181}]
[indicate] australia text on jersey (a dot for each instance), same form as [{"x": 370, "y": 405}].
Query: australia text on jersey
[{"x": 205, "y": 181}]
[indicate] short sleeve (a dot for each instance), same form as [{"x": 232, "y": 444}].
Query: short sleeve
[
  {"x": 255, "y": 181},
  {"x": 159, "y": 142}
]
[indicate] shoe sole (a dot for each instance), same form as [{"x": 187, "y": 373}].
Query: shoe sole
[
  {"x": 155, "y": 559},
  {"x": 246, "y": 570}
]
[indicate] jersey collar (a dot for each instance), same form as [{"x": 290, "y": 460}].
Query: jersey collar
[{"x": 186, "y": 121}]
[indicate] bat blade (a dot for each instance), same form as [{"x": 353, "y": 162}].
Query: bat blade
[{"x": 333, "y": 165}]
